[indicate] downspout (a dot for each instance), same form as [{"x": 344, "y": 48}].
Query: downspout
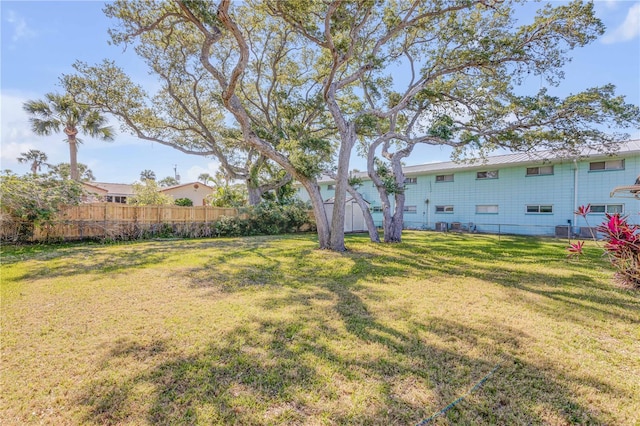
[
  {"x": 575, "y": 191},
  {"x": 427, "y": 203}
]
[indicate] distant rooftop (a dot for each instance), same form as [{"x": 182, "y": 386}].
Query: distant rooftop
[
  {"x": 114, "y": 188},
  {"x": 127, "y": 189}
]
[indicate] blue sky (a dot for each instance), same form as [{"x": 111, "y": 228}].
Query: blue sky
[{"x": 41, "y": 40}]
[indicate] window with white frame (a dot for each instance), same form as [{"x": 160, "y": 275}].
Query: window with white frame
[
  {"x": 444, "y": 209},
  {"x": 444, "y": 178},
  {"x": 410, "y": 209},
  {"x": 331, "y": 187},
  {"x": 597, "y": 166},
  {"x": 539, "y": 208},
  {"x": 539, "y": 171},
  {"x": 486, "y": 209},
  {"x": 489, "y": 174},
  {"x": 606, "y": 208},
  {"x": 411, "y": 181}
]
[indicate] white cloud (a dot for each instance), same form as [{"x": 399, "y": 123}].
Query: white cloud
[
  {"x": 195, "y": 171},
  {"x": 21, "y": 31},
  {"x": 16, "y": 136},
  {"x": 12, "y": 150},
  {"x": 610, "y": 4},
  {"x": 628, "y": 30}
]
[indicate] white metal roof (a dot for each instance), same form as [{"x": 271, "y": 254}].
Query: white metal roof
[{"x": 535, "y": 157}]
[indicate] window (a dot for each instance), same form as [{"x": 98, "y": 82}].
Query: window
[
  {"x": 491, "y": 174},
  {"x": 487, "y": 209},
  {"x": 606, "y": 165},
  {"x": 410, "y": 209},
  {"x": 331, "y": 187},
  {"x": 539, "y": 208},
  {"x": 116, "y": 199},
  {"x": 376, "y": 209},
  {"x": 539, "y": 171},
  {"x": 607, "y": 208},
  {"x": 444, "y": 178},
  {"x": 444, "y": 209},
  {"x": 410, "y": 181}
]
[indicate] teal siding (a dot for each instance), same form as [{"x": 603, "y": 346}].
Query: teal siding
[{"x": 512, "y": 192}]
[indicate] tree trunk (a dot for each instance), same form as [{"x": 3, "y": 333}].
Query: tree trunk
[
  {"x": 255, "y": 194},
  {"x": 322, "y": 223},
  {"x": 347, "y": 141},
  {"x": 73, "y": 153},
  {"x": 340, "y": 195},
  {"x": 393, "y": 233},
  {"x": 397, "y": 220}
]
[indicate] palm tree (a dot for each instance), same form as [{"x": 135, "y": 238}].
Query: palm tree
[
  {"x": 204, "y": 178},
  {"x": 147, "y": 175},
  {"x": 58, "y": 112},
  {"x": 35, "y": 157},
  {"x": 168, "y": 181}
]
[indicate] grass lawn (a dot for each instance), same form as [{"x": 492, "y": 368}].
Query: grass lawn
[{"x": 269, "y": 330}]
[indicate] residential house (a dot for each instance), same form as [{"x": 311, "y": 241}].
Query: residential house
[
  {"x": 195, "y": 191},
  {"x": 119, "y": 192},
  {"x": 109, "y": 192}
]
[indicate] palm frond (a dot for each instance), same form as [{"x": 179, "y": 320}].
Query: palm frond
[{"x": 45, "y": 127}]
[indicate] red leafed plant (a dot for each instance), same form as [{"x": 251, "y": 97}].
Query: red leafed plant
[
  {"x": 622, "y": 245},
  {"x": 575, "y": 249}
]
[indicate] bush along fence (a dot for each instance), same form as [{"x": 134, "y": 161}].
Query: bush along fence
[{"x": 117, "y": 222}]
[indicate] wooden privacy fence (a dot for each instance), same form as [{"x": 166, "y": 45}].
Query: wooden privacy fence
[
  {"x": 100, "y": 212},
  {"x": 111, "y": 220}
]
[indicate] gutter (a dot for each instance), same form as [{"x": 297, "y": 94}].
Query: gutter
[{"x": 575, "y": 191}]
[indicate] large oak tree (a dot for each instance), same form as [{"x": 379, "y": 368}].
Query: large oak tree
[{"x": 447, "y": 72}]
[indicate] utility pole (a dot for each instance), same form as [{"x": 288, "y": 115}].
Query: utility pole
[{"x": 175, "y": 173}]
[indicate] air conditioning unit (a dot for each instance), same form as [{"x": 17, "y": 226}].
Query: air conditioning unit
[
  {"x": 562, "y": 231},
  {"x": 588, "y": 232},
  {"x": 441, "y": 226}
]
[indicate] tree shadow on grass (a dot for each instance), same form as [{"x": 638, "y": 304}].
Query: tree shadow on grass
[
  {"x": 451, "y": 373},
  {"x": 119, "y": 258},
  {"x": 356, "y": 371}
]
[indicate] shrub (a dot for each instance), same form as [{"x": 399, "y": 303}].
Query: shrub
[
  {"x": 29, "y": 201},
  {"x": 622, "y": 246},
  {"x": 184, "y": 202},
  {"x": 272, "y": 218},
  {"x": 148, "y": 193},
  {"x": 228, "y": 226}
]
